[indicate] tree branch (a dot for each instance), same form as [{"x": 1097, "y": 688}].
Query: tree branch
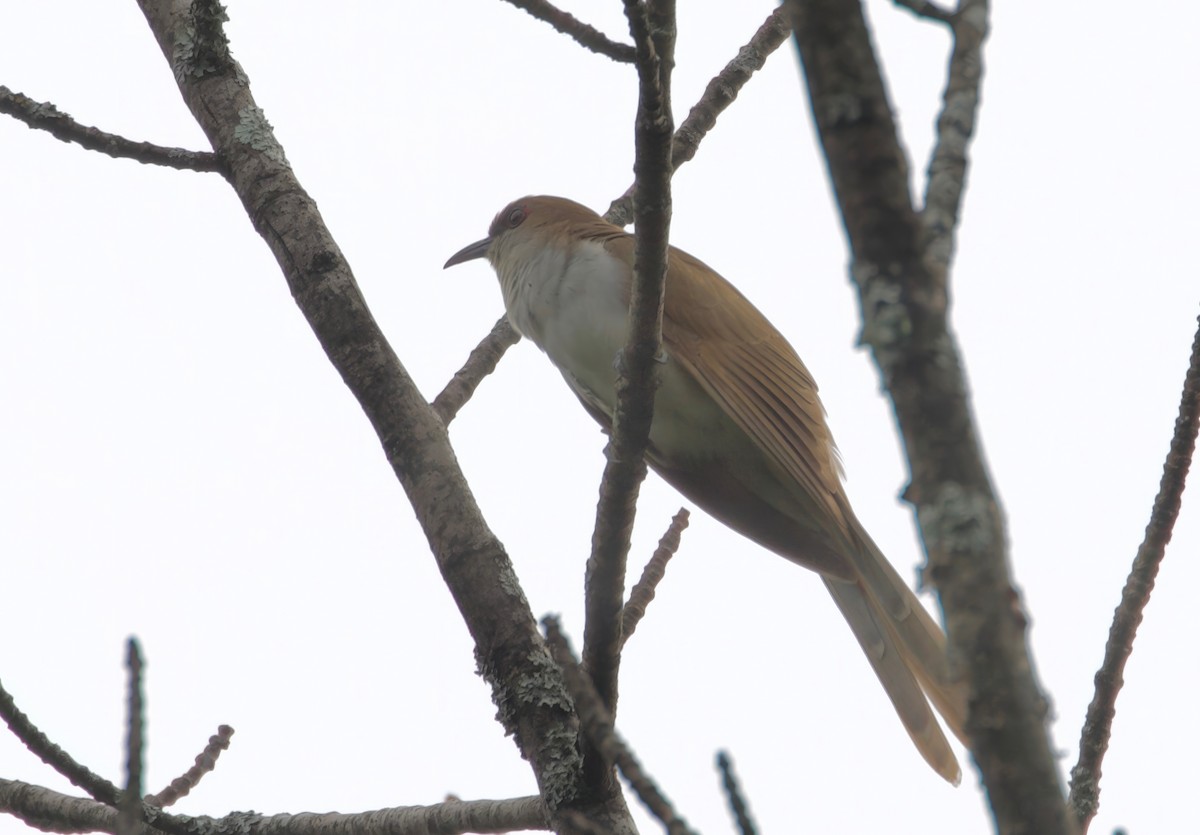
[
  {"x": 652, "y": 574},
  {"x": 718, "y": 95},
  {"x": 733, "y": 792},
  {"x": 45, "y": 116},
  {"x": 54, "y": 756},
  {"x": 597, "y": 722},
  {"x": 130, "y": 810},
  {"x": 927, "y": 10},
  {"x": 511, "y": 655},
  {"x": 1097, "y": 727},
  {"x": 638, "y": 378},
  {"x": 206, "y": 761},
  {"x": 585, "y": 35},
  {"x": 481, "y": 362},
  {"x": 904, "y": 299},
  {"x": 53, "y": 812}
]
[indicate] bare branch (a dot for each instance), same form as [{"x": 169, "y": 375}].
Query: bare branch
[
  {"x": 206, "y": 761},
  {"x": 472, "y": 561},
  {"x": 597, "y": 724},
  {"x": 718, "y": 95},
  {"x": 1085, "y": 776},
  {"x": 652, "y": 574},
  {"x": 130, "y": 809},
  {"x": 53, "y": 812},
  {"x": 481, "y": 362},
  {"x": 927, "y": 10},
  {"x": 947, "y": 174},
  {"x": 47, "y": 117},
  {"x": 904, "y": 300},
  {"x": 585, "y": 35},
  {"x": 737, "y": 803},
  {"x": 638, "y": 377},
  {"x": 55, "y": 757}
]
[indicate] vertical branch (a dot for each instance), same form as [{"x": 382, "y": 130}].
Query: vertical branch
[
  {"x": 904, "y": 300},
  {"x": 625, "y": 468},
  {"x": 130, "y": 817},
  {"x": 1097, "y": 727}
]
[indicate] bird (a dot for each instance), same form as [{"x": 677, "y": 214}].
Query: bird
[{"x": 738, "y": 429}]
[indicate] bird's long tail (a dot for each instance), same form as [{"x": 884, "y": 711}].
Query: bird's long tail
[{"x": 907, "y": 651}]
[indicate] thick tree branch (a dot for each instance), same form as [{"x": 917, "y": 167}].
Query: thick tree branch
[
  {"x": 47, "y": 117},
  {"x": 638, "y": 379},
  {"x": 53, "y": 812},
  {"x": 512, "y": 657},
  {"x": 904, "y": 301},
  {"x": 585, "y": 35},
  {"x": 1085, "y": 776}
]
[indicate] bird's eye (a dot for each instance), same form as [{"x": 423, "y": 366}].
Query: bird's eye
[{"x": 515, "y": 217}]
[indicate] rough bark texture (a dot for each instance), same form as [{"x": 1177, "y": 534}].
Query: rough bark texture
[
  {"x": 899, "y": 267},
  {"x": 526, "y": 684}
]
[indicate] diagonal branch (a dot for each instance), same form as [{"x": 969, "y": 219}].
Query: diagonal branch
[
  {"x": 481, "y": 362},
  {"x": 47, "y": 117},
  {"x": 510, "y": 652},
  {"x": 205, "y": 762},
  {"x": 638, "y": 378},
  {"x": 54, "y": 756},
  {"x": 652, "y": 574},
  {"x": 1085, "y": 776},
  {"x": 718, "y": 95},
  {"x": 904, "y": 300},
  {"x": 585, "y": 35},
  {"x": 597, "y": 723}
]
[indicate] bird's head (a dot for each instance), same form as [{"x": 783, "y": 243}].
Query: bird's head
[{"x": 526, "y": 226}]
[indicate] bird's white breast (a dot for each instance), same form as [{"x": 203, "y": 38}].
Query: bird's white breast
[{"x": 573, "y": 305}]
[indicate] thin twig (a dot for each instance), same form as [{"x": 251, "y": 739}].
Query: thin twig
[
  {"x": 1097, "y": 727},
  {"x": 481, "y": 362},
  {"x": 597, "y": 723},
  {"x": 928, "y": 10},
  {"x": 55, "y": 757},
  {"x": 638, "y": 377},
  {"x": 47, "y": 117},
  {"x": 652, "y": 574},
  {"x": 585, "y": 35},
  {"x": 131, "y": 799},
  {"x": 733, "y": 791},
  {"x": 718, "y": 95},
  {"x": 206, "y": 761}
]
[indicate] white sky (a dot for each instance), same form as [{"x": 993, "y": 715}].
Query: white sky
[{"x": 179, "y": 461}]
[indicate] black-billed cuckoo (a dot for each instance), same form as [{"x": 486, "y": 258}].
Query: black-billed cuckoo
[{"x": 738, "y": 429}]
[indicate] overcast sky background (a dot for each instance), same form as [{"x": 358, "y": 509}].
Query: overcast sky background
[{"x": 178, "y": 460}]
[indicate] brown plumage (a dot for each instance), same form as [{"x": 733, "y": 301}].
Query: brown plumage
[{"x": 738, "y": 429}]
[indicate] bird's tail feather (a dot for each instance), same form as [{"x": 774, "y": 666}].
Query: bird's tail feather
[{"x": 900, "y": 653}]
